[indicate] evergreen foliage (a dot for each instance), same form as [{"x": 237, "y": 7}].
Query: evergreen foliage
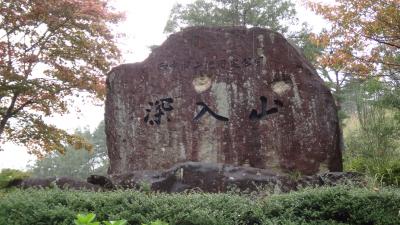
[{"x": 77, "y": 163}]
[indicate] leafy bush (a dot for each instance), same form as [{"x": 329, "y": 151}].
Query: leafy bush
[
  {"x": 8, "y": 175},
  {"x": 372, "y": 134},
  {"x": 372, "y": 148},
  {"x": 383, "y": 174},
  {"x": 337, "y": 205},
  {"x": 157, "y": 222},
  {"x": 89, "y": 219}
]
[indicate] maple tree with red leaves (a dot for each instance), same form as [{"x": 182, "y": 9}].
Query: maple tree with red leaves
[
  {"x": 363, "y": 39},
  {"x": 51, "y": 50}
]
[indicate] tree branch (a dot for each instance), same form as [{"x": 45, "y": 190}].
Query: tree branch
[
  {"x": 39, "y": 41},
  {"x": 17, "y": 110},
  {"x": 382, "y": 41}
]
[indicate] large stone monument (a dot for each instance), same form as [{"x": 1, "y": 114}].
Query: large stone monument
[{"x": 244, "y": 97}]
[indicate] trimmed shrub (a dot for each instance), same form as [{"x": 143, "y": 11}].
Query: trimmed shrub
[{"x": 337, "y": 205}]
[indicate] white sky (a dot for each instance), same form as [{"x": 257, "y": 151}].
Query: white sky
[{"x": 144, "y": 25}]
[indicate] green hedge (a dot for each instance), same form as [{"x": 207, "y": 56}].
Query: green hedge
[{"x": 337, "y": 205}]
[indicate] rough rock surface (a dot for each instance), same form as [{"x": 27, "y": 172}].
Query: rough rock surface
[
  {"x": 101, "y": 181},
  {"x": 244, "y": 97},
  {"x": 211, "y": 177}
]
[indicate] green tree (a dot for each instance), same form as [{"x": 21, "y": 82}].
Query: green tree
[
  {"x": 361, "y": 60},
  {"x": 260, "y": 13},
  {"x": 76, "y": 163},
  {"x": 50, "y": 51},
  {"x": 372, "y": 143},
  {"x": 277, "y": 15}
]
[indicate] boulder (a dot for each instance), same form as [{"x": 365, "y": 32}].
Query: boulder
[
  {"x": 230, "y": 95},
  {"x": 102, "y": 181}
]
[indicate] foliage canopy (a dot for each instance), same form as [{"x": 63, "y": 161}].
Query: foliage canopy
[
  {"x": 277, "y": 15},
  {"x": 49, "y": 51},
  {"x": 363, "y": 38},
  {"x": 261, "y": 13}
]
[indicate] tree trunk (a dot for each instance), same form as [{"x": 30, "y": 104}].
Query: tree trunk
[{"x": 8, "y": 114}]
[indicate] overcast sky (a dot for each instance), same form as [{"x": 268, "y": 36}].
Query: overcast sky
[{"x": 144, "y": 25}]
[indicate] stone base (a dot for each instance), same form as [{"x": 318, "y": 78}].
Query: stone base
[
  {"x": 211, "y": 177},
  {"x": 55, "y": 182},
  {"x": 207, "y": 177}
]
